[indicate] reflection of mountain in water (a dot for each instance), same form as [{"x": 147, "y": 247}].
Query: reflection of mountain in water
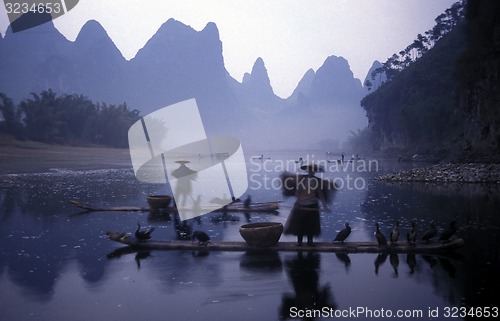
[{"x": 46, "y": 248}]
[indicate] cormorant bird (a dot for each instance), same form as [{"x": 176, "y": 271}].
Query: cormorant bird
[
  {"x": 382, "y": 241},
  {"x": 343, "y": 234},
  {"x": 411, "y": 236},
  {"x": 394, "y": 237},
  {"x": 430, "y": 233},
  {"x": 452, "y": 228},
  {"x": 202, "y": 237},
  {"x": 143, "y": 235}
]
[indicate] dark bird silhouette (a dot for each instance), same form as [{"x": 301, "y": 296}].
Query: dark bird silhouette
[
  {"x": 411, "y": 260},
  {"x": 381, "y": 240},
  {"x": 448, "y": 267},
  {"x": 343, "y": 234},
  {"x": 430, "y": 233},
  {"x": 381, "y": 258},
  {"x": 431, "y": 260},
  {"x": 141, "y": 255},
  {"x": 202, "y": 237},
  {"x": 344, "y": 258},
  {"x": 411, "y": 236},
  {"x": 394, "y": 260},
  {"x": 394, "y": 237},
  {"x": 449, "y": 232},
  {"x": 143, "y": 235}
]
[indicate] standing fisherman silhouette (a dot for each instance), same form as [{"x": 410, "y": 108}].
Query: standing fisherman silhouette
[
  {"x": 183, "y": 188},
  {"x": 304, "y": 218}
]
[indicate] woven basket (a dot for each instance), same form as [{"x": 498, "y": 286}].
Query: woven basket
[
  {"x": 262, "y": 234},
  {"x": 156, "y": 202}
]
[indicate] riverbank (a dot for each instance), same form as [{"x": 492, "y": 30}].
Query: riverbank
[
  {"x": 17, "y": 157},
  {"x": 448, "y": 173}
]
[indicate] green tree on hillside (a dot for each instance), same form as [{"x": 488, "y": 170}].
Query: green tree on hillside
[{"x": 67, "y": 119}]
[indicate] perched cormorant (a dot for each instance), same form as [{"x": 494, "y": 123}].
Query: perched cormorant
[
  {"x": 430, "y": 233},
  {"x": 143, "y": 235},
  {"x": 382, "y": 241},
  {"x": 202, "y": 237},
  {"x": 411, "y": 236},
  {"x": 394, "y": 237},
  {"x": 343, "y": 234},
  {"x": 452, "y": 228}
]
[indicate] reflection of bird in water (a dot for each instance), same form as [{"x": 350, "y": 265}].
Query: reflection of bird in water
[
  {"x": 202, "y": 237},
  {"x": 143, "y": 235},
  {"x": 411, "y": 260},
  {"x": 381, "y": 240},
  {"x": 344, "y": 258},
  {"x": 343, "y": 234},
  {"x": 430, "y": 259},
  {"x": 182, "y": 229},
  {"x": 141, "y": 255},
  {"x": 379, "y": 261},
  {"x": 202, "y": 253},
  {"x": 449, "y": 232},
  {"x": 430, "y": 233},
  {"x": 411, "y": 236},
  {"x": 394, "y": 260},
  {"x": 394, "y": 237},
  {"x": 448, "y": 267}
]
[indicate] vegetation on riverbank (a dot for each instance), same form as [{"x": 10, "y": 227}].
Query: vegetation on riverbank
[{"x": 66, "y": 119}]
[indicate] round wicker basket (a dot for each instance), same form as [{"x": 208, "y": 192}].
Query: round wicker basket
[
  {"x": 263, "y": 234},
  {"x": 156, "y": 202}
]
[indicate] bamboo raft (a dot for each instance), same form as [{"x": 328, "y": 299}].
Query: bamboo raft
[
  {"x": 234, "y": 207},
  {"x": 346, "y": 247}
]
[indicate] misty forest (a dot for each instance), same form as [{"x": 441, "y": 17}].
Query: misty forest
[{"x": 436, "y": 97}]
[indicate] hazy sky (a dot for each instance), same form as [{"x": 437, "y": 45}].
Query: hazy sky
[{"x": 291, "y": 36}]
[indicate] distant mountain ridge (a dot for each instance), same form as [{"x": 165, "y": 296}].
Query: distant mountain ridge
[{"x": 177, "y": 63}]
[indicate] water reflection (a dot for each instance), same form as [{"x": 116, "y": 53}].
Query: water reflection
[
  {"x": 381, "y": 258},
  {"x": 310, "y": 294},
  {"x": 45, "y": 251},
  {"x": 345, "y": 259}
]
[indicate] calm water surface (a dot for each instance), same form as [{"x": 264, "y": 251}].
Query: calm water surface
[{"x": 56, "y": 263}]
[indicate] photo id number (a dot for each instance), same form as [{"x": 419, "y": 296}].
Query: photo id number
[{"x": 38, "y": 7}]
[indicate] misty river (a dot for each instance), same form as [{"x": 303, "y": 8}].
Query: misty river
[{"x": 56, "y": 263}]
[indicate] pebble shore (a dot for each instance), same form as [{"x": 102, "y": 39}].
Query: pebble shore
[{"x": 448, "y": 173}]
